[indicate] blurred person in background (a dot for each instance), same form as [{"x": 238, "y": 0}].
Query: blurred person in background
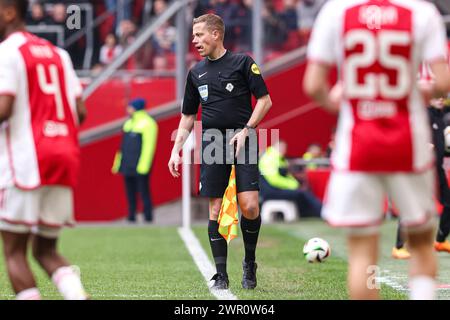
[
  {"x": 307, "y": 11},
  {"x": 37, "y": 15},
  {"x": 164, "y": 39},
  {"x": 126, "y": 35},
  {"x": 122, "y": 10},
  {"x": 242, "y": 22},
  {"x": 135, "y": 158},
  {"x": 289, "y": 15},
  {"x": 277, "y": 183},
  {"x": 314, "y": 151},
  {"x": 110, "y": 50},
  {"x": 438, "y": 127},
  {"x": 275, "y": 29}
]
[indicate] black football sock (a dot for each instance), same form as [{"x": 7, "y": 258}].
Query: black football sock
[
  {"x": 219, "y": 246},
  {"x": 250, "y": 232},
  {"x": 444, "y": 225},
  {"x": 400, "y": 241}
]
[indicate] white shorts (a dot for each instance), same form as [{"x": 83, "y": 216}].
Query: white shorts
[
  {"x": 356, "y": 199},
  {"x": 42, "y": 211}
]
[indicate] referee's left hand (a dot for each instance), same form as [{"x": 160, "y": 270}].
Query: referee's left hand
[
  {"x": 239, "y": 139},
  {"x": 174, "y": 163}
]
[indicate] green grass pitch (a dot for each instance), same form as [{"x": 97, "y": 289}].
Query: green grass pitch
[{"x": 152, "y": 263}]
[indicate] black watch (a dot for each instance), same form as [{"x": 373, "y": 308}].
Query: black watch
[{"x": 248, "y": 127}]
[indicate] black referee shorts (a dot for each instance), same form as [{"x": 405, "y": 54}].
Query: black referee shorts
[{"x": 217, "y": 159}]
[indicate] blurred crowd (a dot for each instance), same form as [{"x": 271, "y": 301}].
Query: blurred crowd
[{"x": 286, "y": 25}]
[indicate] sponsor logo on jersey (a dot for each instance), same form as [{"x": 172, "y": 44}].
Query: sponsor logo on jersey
[
  {"x": 55, "y": 129},
  {"x": 255, "y": 69},
  {"x": 43, "y": 52},
  {"x": 203, "y": 90},
  {"x": 377, "y": 16},
  {"x": 371, "y": 110}
]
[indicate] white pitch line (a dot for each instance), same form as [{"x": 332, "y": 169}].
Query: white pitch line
[
  {"x": 202, "y": 261},
  {"x": 389, "y": 280}
]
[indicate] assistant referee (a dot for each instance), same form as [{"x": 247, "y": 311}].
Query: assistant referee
[{"x": 224, "y": 83}]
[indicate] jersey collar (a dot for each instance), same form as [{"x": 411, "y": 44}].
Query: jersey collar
[{"x": 223, "y": 55}]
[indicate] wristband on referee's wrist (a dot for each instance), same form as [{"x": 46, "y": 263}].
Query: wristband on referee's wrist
[{"x": 248, "y": 127}]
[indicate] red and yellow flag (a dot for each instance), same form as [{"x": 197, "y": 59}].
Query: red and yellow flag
[{"x": 228, "y": 216}]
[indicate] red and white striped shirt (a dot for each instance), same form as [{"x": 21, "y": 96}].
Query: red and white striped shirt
[
  {"x": 39, "y": 142},
  {"x": 425, "y": 73},
  {"x": 378, "y": 46}
]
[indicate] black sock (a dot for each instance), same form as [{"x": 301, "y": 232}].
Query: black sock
[
  {"x": 444, "y": 225},
  {"x": 250, "y": 232},
  {"x": 400, "y": 241},
  {"x": 219, "y": 246}
]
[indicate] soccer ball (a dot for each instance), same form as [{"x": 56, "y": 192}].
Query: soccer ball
[{"x": 316, "y": 250}]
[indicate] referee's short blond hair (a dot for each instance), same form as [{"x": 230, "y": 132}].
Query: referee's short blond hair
[{"x": 212, "y": 22}]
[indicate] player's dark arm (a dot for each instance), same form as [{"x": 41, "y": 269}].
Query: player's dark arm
[
  {"x": 262, "y": 106},
  {"x": 6, "y": 107},
  {"x": 81, "y": 110},
  {"x": 315, "y": 85}
]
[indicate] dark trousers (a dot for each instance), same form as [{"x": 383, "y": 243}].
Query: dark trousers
[
  {"x": 133, "y": 185},
  {"x": 307, "y": 203},
  {"x": 444, "y": 193}
]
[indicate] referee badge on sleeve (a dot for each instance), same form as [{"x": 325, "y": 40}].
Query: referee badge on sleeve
[
  {"x": 203, "y": 90},
  {"x": 255, "y": 69}
]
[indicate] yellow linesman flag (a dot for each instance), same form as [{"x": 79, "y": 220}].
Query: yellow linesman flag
[{"x": 228, "y": 216}]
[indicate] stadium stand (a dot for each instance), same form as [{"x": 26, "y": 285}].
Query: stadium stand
[{"x": 150, "y": 73}]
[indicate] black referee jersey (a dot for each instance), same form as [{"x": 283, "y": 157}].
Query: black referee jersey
[
  {"x": 436, "y": 117},
  {"x": 224, "y": 88}
]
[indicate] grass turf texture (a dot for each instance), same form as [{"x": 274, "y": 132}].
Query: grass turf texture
[
  {"x": 283, "y": 273},
  {"x": 125, "y": 263},
  {"x": 153, "y": 263}
]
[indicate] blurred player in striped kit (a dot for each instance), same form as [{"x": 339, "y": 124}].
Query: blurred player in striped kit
[
  {"x": 40, "y": 109},
  {"x": 383, "y": 135}
]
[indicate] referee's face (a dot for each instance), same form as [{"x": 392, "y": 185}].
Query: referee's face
[{"x": 203, "y": 40}]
